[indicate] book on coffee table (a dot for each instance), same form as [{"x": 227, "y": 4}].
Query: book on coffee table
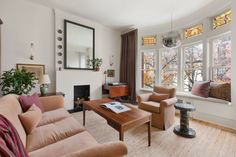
[{"x": 116, "y": 107}]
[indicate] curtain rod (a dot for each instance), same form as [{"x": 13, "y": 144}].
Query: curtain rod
[{"x": 127, "y": 31}]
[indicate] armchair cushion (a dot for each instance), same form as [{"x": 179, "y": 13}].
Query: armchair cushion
[
  {"x": 158, "y": 97},
  {"x": 150, "y": 106},
  {"x": 143, "y": 97},
  {"x": 165, "y": 90}
]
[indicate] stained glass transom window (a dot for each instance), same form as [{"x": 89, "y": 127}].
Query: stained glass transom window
[
  {"x": 222, "y": 19},
  {"x": 193, "y": 31},
  {"x": 149, "y": 40}
]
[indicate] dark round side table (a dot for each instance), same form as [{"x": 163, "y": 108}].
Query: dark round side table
[{"x": 183, "y": 129}]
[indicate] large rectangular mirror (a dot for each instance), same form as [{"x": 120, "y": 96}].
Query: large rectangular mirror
[{"x": 79, "y": 45}]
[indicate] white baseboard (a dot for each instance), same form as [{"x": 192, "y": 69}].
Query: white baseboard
[{"x": 228, "y": 123}]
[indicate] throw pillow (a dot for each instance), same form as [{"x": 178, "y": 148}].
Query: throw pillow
[
  {"x": 201, "y": 88},
  {"x": 27, "y": 101},
  {"x": 220, "y": 91},
  {"x": 31, "y": 118},
  {"x": 158, "y": 97}
]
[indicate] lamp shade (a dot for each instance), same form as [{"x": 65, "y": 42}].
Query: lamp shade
[{"x": 45, "y": 79}]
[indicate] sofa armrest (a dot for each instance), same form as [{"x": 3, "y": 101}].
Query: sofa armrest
[
  {"x": 52, "y": 102},
  {"x": 111, "y": 149},
  {"x": 168, "y": 102},
  {"x": 143, "y": 97}
]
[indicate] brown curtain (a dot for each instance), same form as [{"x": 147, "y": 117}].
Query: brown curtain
[{"x": 128, "y": 62}]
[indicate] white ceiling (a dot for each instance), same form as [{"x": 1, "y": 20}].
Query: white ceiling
[{"x": 123, "y": 14}]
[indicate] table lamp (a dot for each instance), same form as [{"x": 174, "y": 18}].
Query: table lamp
[{"x": 44, "y": 82}]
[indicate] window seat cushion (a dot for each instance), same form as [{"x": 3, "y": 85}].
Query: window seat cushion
[{"x": 211, "y": 99}]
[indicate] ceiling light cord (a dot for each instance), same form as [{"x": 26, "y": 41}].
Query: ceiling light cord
[{"x": 171, "y": 25}]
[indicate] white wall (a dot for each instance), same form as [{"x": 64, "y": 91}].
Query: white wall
[
  {"x": 107, "y": 43},
  {"x": 26, "y": 22}
]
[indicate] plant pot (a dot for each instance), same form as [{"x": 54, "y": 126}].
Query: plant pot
[{"x": 97, "y": 68}]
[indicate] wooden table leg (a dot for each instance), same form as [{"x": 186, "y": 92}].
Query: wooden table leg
[
  {"x": 121, "y": 134},
  {"x": 84, "y": 115},
  {"x": 149, "y": 133}
]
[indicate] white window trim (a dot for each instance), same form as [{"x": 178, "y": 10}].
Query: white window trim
[
  {"x": 140, "y": 68},
  {"x": 208, "y": 35}
]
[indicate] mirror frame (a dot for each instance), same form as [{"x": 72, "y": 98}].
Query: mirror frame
[{"x": 65, "y": 44}]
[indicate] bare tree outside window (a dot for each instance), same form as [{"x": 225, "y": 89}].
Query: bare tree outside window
[
  {"x": 169, "y": 67},
  {"x": 221, "y": 67},
  {"x": 148, "y": 69},
  {"x": 193, "y": 65}
]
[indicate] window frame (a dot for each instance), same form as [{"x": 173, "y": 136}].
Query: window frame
[
  {"x": 160, "y": 64},
  {"x": 210, "y": 54},
  {"x": 183, "y": 61},
  {"x": 141, "y": 69}
]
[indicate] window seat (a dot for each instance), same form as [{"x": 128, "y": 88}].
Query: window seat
[{"x": 210, "y": 99}]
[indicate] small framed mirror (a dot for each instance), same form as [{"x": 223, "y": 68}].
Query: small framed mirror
[{"x": 79, "y": 45}]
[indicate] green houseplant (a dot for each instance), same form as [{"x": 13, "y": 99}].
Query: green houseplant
[
  {"x": 96, "y": 63},
  {"x": 17, "y": 82}
]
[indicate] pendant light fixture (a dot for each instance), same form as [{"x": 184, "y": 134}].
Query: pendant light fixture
[{"x": 171, "y": 39}]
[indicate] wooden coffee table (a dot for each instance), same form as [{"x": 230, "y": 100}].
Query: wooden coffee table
[{"x": 122, "y": 121}]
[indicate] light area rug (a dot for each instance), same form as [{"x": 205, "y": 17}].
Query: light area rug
[{"x": 210, "y": 141}]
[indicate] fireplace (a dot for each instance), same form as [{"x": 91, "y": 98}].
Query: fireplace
[{"x": 81, "y": 93}]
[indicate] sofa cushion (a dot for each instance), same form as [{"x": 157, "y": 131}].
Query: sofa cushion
[
  {"x": 74, "y": 143},
  {"x": 220, "y": 91},
  {"x": 150, "y": 106},
  {"x": 158, "y": 97},
  {"x": 53, "y": 116},
  {"x": 31, "y": 118},
  {"x": 201, "y": 88},
  {"x": 27, "y": 101},
  {"x": 52, "y": 133}
]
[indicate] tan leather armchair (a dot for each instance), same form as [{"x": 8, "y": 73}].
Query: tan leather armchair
[{"x": 163, "y": 113}]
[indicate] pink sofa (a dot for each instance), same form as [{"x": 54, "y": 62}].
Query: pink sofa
[{"x": 58, "y": 134}]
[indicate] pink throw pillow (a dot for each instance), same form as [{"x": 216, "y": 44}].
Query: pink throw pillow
[
  {"x": 201, "y": 88},
  {"x": 31, "y": 118},
  {"x": 27, "y": 101}
]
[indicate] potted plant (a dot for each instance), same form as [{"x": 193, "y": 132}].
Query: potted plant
[
  {"x": 96, "y": 63},
  {"x": 17, "y": 82}
]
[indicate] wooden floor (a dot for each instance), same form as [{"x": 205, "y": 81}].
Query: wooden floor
[{"x": 210, "y": 141}]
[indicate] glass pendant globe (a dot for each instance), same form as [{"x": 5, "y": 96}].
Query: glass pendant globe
[{"x": 171, "y": 39}]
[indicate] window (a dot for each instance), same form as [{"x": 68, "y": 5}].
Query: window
[
  {"x": 221, "y": 63},
  {"x": 193, "y": 65},
  {"x": 169, "y": 66},
  {"x": 148, "y": 69},
  {"x": 222, "y": 19},
  {"x": 149, "y": 40},
  {"x": 193, "y": 31}
]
